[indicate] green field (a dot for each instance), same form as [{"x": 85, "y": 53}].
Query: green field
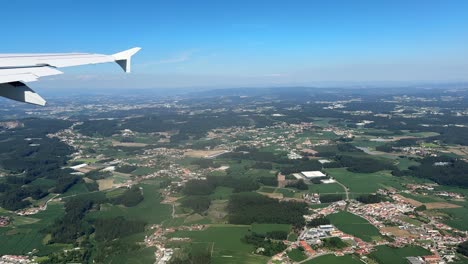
[
  {"x": 267, "y": 189},
  {"x": 385, "y": 254},
  {"x": 265, "y": 228},
  {"x": 149, "y": 210},
  {"x": 332, "y": 259},
  {"x": 458, "y": 217},
  {"x": 423, "y": 198},
  {"x": 365, "y": 182},
  {"x": 326, "y": 188},
  {"x": 296, "y": 255},
  {"x": 24, "y": 234},
  {"x": 221, "y": 193},
  {"x": 354, "y": 225},
  {"x": 286, "y": 192},
  {"x": 226, "y": 243},
  {"x": 405, "y": 163}
]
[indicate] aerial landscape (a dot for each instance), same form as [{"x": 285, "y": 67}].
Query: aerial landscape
[
  {"x": 256, "y": 132},
  {"x": 296, "y": 175}
]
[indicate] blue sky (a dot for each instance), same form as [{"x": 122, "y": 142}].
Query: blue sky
[{"x": 247, "y": 43}]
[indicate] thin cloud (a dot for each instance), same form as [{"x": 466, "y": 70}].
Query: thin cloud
[{"x": 178, "y": 58}]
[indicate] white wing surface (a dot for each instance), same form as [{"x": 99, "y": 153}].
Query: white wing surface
[{"x": 17, "y": 69}]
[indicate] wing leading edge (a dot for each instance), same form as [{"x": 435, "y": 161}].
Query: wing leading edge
[{"x": 17, "y": 69}]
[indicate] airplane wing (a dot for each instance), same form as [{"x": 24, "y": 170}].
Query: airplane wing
[{"x": 18, "y": 69}]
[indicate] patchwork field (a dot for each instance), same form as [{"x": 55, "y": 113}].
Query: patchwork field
[
  {"x": 25, "y": 236},
  {"x": 149, "y": 210},
  {"x": 365, "y": 182},
  {"x": 226, "y": 243}
]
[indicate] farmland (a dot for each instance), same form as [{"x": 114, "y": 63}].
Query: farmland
[
  {"x": 226, "y": 244},
  {"x": 354, "y": 225},
  {"x": 332, "y": 259},
  {"x": 385, "y": 254}
]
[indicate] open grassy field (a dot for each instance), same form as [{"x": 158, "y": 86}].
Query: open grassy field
[
  {"x": 405, "y": 163},
  {"x": 326, "y": 188},
  {"x": 265, "y": 228},
  {"x": 385, "y": 254},
  {"x": 289, "y": 193},
  {"x": 354, "y": 225},
  {"x": 149, "y": 210},
  {"x": 365, "y": 182},
  {"x": 423, "y": 198},
  {"x": 257, "y": 173},
  {"x": 226, "y": 243},
  {"x": 221, "y": 193},
  {"x": 458, "y": 217},
  {"x": 24, "y": 234},
  {"x": 142, "y": 256},
  {"x": 332, "y": 259},
  {"x": 267, "y": 189}
]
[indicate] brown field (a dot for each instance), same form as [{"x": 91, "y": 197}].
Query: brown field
[
  {"x": 396, "y": 231},
  {"x": 410, "y": 201},
  {"x": 128, "y": 144},
  {"x": 440, "y": 205},
  {"x": 105, "y": 184},
  {"x": 459, "y": 150},
  {"x": 204, "y": 153},
  {"x": 87, "y": 169},
  {"x": 217, "y": 212},
  {"x": 272, "y": 195},
  {"x": 87, "y": 180}
]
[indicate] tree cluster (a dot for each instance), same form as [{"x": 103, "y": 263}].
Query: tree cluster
[
  {"x": 248, "y": 208},
  {"x": 264, "y": 245}
]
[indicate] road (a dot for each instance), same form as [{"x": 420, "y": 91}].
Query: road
[{"x": 346, "y": 190}]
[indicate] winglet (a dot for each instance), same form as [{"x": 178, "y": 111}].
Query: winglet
[{"x": 124, "y": 58}]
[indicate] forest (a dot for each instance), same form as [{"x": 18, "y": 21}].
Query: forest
[
  {"x": 248, "y": 208},
  {"x": 443, "y": 170}
]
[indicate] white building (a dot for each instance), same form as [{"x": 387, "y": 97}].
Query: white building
[{"x": 313, "y": 174}]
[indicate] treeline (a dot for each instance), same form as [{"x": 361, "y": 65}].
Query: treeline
[
  {"x": 462, "y": 248},
  {"x": 131, "y": 197},
  {"x": 248, "y": 208},
  {"x": 206, "y": 187},
  {"x": 198, "y": 204},
  {"x": 370, "y": 198},
  {"x": 13, "y": 199},
  {"x": 330, "y": 198},
  {"x": 453, "y": 172},
  {"x": 108, "y": 229},
  {"x": 361, "y": 164},
  {"x": 264, "y": 245},
  {"x": 334, "y": 243},
  {"x": 405, "y": 142},
  {"x": 318, "y": 221},
  {"x": 300, "y": 185}
]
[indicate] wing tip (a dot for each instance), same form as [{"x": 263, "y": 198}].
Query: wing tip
[{"x": 123, "y": 58}]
